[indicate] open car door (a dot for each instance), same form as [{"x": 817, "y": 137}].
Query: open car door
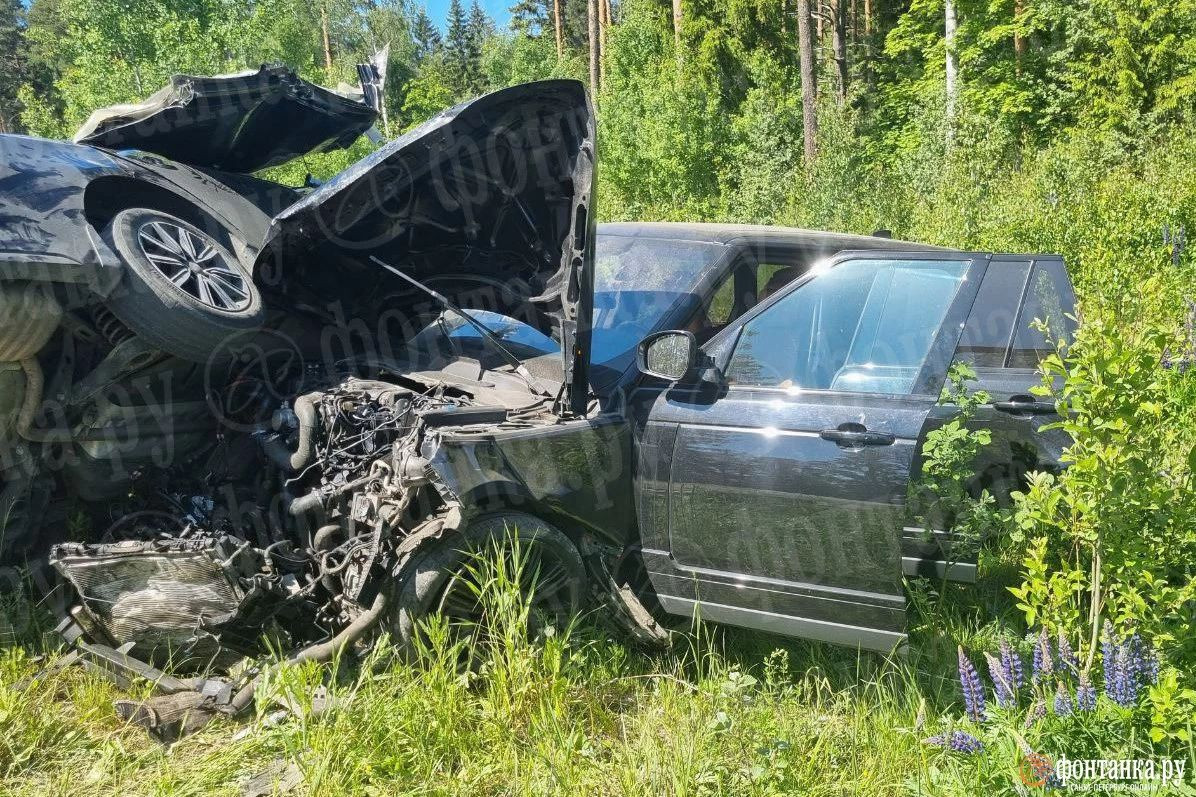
[{"x": 783, "y": 485}]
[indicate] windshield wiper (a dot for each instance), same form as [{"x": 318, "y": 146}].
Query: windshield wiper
[{"x": 478, "y": 325}]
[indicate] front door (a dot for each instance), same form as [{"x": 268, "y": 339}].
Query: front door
[{"x": 782, "y": 490}]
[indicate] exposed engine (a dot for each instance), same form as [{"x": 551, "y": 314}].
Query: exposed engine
[{"x": 316, "y": 505}]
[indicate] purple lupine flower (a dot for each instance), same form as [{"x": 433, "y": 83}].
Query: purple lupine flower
[
  {"x": 1068, "y": 661},
  {"x": 1133, "y": 650},
  {"x": 1062, "y": 701},
  {"x": 1108, "y": 649},
  {"x": 958, "y": 741},
  {"x": 973, "y": 690},
  {"x": 1002, "y": 689},
  {"x": 1044, "y": 662},
  {"x": 1037, "y": 711},
  {"x": 1011, "y": 666},
  {"x": 1122, "y": 683},
  {"x": 1085, "y": 693},
  {"x": 1150, "y": 667}
]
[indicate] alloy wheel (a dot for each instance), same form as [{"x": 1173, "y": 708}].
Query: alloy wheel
[{"x": 195, "y": 265}]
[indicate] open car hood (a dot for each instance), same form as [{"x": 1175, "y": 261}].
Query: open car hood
[
  {"x": 234, "y": 123},
  {"x": 491, "y": 201}
]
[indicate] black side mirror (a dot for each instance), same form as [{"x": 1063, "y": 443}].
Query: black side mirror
[{"x": 669, "y": 355}]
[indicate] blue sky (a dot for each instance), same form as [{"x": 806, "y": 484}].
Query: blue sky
[{"x": 497, "y": 9}]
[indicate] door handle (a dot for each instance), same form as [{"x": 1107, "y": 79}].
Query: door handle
[
  {"x": 855, "y": 435},
  {"x": 1024, "y": 405}
]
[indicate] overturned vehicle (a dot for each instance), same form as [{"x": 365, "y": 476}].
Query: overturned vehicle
[{"x": 269, "y": 403}]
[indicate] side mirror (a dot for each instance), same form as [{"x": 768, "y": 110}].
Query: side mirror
[{"x": 668, "y": 355}]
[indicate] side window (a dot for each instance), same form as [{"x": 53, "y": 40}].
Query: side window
[
  {"x": 1044, "y": 302},
  {"x": 864, "y": 326},
  {"x": 771, "y": 277},
  {"x": 986, "y": 335}
]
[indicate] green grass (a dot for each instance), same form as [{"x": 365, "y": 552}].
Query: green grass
[{"x": 724, "y": 712}]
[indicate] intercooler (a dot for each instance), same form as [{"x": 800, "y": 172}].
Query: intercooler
[{"x": 171, "y": 598}]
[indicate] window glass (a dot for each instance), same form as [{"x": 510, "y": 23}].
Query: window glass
[
  {"x": 985, "y": 338},
  {"x": 771, "y": 277},
  {"x": 1044, "y": 302},
  {"x": 864, "y": 326}
]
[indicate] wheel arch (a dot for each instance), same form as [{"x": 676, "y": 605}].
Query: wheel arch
[{"x": 106, "y": 196}]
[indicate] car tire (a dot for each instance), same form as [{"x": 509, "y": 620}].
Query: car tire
[
  {"x": 211, "y": 298},
  {"x": 422, "y": 588}
]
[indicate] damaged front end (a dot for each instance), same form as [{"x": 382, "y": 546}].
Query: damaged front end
[{"x": 313, "y": 520}]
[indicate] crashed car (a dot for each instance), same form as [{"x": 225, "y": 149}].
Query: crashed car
[{"x": 438, "y": 351}]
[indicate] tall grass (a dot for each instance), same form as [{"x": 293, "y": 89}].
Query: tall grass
[{"x": 569, "y": 711}]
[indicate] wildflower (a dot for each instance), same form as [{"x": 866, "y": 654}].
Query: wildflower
[
  {"x": 1011, "y": 665},
  {"x": 1067, "y": 655},
  {"x": 1062, "y": 701},
  {"x": 1085, "y": 693},
  {"x": 1002, "y": 689},
  {"x": 1150, "y": 667},
  {"x": 1121, "y": 682},
  {"x": 958, "y": 741},
  {"x": 973, "y": 690},
  {"x": 1037, "y": 711},
  {"x": 1144, "y": 664},
  {"x": 1108, "y": 649},
  {"x": 1043, "y": 659}
]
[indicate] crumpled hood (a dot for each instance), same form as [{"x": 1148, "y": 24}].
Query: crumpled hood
[
  {"x": 493, "y": 197},
  {"x": 234, "y": 123}
]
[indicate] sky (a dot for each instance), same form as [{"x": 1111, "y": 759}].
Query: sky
[{"x": 497, "y": 9}]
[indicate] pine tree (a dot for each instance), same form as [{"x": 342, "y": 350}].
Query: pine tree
[
  {"x": 458, "y": 49},
  {"x": 425, "y": 34},
  {"x": 529, "y": 18},
  {"x": 480, "y": 28}
]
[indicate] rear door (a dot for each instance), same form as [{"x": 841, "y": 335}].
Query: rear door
[{"x": 784, "y": 488}]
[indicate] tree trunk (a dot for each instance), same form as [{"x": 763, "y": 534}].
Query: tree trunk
[
  {"x": 952, "y": 76},
  {"x": 867, "y": 17},
  {"x": 558, "y": 29},
  {"x": 839, "y": 47},
  {"x": 808, "y": 88},
  {"x": 677, "y": 26},
  {"x": 603, "y": 32},
  {"x": 592, "y": 29},
  {"x": 327, "y": 41},
  {"x": 1019, "y": 44}
]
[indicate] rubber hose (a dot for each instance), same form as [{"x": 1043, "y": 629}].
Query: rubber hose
[
  {"x": 321, "y": 653},
  {"x": 35, "y": 383},
  {"x": 304, "y": 453}
]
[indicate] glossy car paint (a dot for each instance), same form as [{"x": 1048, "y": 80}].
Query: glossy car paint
[{"x": 45, "y": 232}]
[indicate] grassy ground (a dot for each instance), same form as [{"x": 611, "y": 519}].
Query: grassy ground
[{"x": 723, "y": 712}]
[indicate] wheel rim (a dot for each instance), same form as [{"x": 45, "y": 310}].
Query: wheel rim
[{"x": 193, "y": 263}]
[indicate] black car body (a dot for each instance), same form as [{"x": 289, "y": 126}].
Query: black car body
[{"x": 668, "y": 416}]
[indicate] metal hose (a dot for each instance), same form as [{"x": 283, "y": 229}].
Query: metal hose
[
  {"x": 304, "y": 453},
  {"x": 322, "y": 652}
]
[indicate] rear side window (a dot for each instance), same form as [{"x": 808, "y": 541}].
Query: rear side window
[
  {"x": 999, "y": 332},
  {"x": 1044, "y": 300},
  {"x": 987, "y": 333}
]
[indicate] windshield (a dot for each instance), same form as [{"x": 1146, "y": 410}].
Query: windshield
[{"x": 638, "y": 283}]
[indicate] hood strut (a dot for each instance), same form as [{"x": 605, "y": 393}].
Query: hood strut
[{"x": 478, "y": 325}]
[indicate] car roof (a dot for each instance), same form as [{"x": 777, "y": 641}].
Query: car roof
[{"x": 734, "y": 233}]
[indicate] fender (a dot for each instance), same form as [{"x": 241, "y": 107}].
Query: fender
[{"x": 45, "y": 231}]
